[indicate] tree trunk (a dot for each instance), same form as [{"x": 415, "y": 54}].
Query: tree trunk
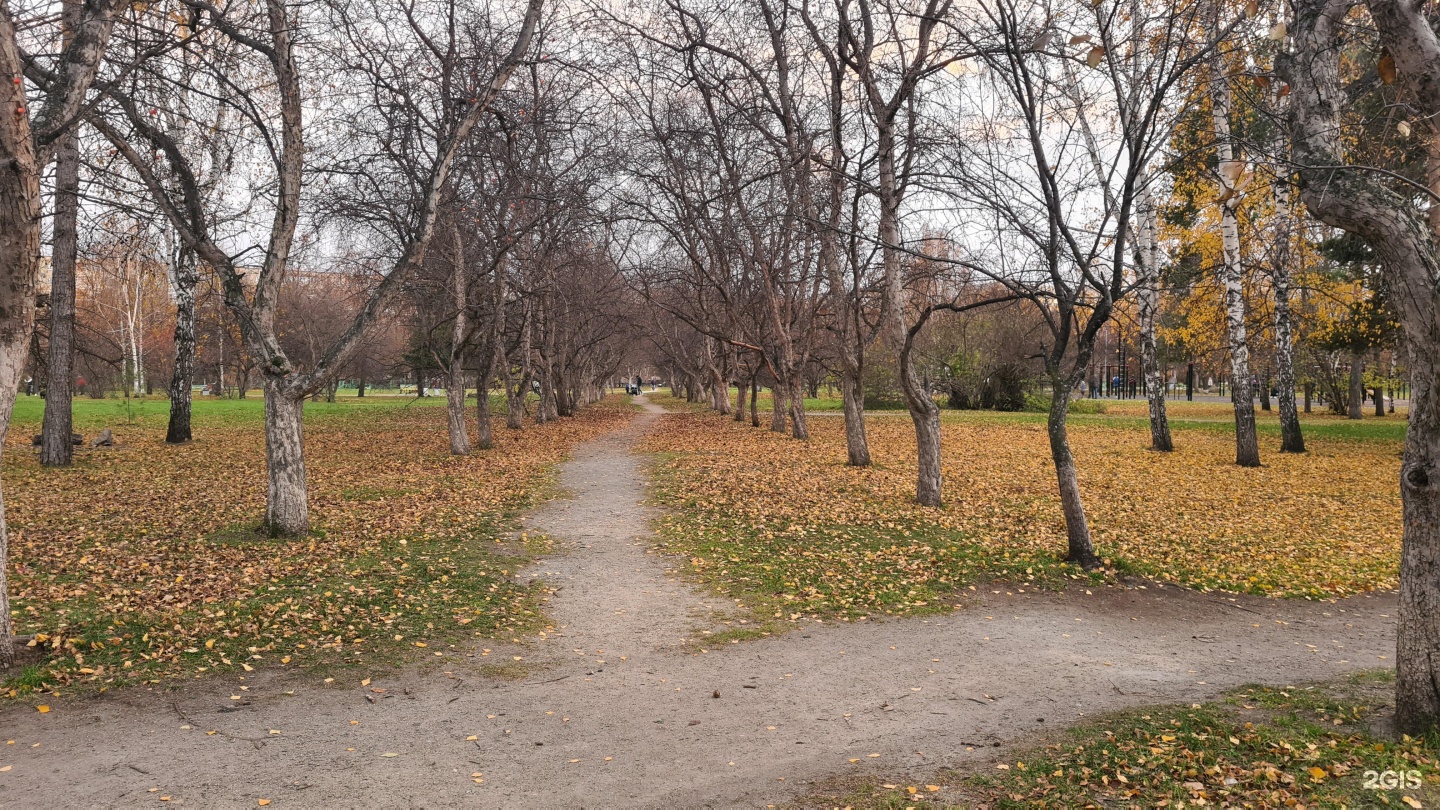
[
  {"x": 360, "y": 383},
  {"x": 178, "y": 431},
  {"x": 1077, "y": 528},
  {"x": 777, "y": 407},
  {"x": 720, "y": 387},
  {"x": 741, "y": 388},
  {"x": 459, "y": 334},
  {"x": 852, "y": 396},
  {"x": 1417, "y": 642},
  {"x": 1309, "y": 395},
  {"x": 1292, "y": 438},
  {"x": 1379, "y": 400},
  {"x": 925, "y": 415},
  {"x": 484, "y": 434},
  {"x": 15, "y": 331},
  {"x": 56, "y": 449},
  {"x": 1247, "y": 443},
  {"x": 1406, "y": 245},
  {"x": 287, "y": 512},
  {"x": 455, "y": 411},
  {"x": 800, "y": 428},
  {"x": 755, "y": 400},
  {"x": 1355, "y": 403},
  {"x": 1149, "y": 248}
]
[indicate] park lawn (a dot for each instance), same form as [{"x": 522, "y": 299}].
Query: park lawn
[
  {"x": 787, "y": 528},
  {"x": 142, "y": 563},
  {"x": 1308, "y": 745}
]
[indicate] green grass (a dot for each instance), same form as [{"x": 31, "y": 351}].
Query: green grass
[
  {"x": 90, "y": 415},
  {"x": 1183, "y": 416},
  {"x": 1255, "y": 747}
]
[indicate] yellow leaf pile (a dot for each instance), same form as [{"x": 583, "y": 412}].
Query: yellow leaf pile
[{"x": 787, "y": 525}]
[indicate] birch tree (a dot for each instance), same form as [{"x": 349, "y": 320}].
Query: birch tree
[{"x": 1231, "y": 172}]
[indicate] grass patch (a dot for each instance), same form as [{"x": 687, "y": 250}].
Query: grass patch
[{"x": 1257, "y": 746}]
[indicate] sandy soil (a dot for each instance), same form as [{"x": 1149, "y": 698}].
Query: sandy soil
[{"x": 617, "y": 705}]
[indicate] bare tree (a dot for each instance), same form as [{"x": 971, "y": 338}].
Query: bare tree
[{"x": 402, "y": 119}]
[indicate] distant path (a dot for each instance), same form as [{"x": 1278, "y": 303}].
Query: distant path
[{"x": 622, "y": 691}]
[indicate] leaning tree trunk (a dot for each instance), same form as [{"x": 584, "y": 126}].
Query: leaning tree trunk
[
  {"x": 1077, "y": 528},
  {"x": 56, "y": 449},
  {"x": 1149, "y": 248},
  {"x": 287, "y": 513},
  {"x": 182, "y": 378},
  {"x": 1247, "y": 443}
]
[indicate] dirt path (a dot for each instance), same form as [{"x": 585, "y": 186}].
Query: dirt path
[{"x": 621, "y": 710}]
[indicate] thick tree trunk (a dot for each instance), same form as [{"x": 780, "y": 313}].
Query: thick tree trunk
[
  {"x": 287, "y": 513},
  {"x": 778, "y": 407},
  {"x": 1406, "y": 244},
  {"x": 1355, "y": 403},
  {"x": 1149, "y": 249},
  {"x": 800, "y": 428},
  {"x": 925, "y": 415},
  {"x": 1247, "y": 443},
  {"x": 741, "y": 389},
  {"x": 455, "y": 411},
  {"x": 1077, "y": 528},
  {"x": 1417, "y": 642},
  {"x": 56, "y": 449},
  {"x": 182, "y": 378},
  {"x": 1379, "y": 400},
  {"x": 720, "y": 391},
  {"x": 852, "y": 397}
]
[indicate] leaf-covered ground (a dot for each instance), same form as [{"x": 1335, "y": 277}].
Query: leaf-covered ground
[
  {"x": 788, "y": 526},
  {"x": 142, "y": 562},
  {"x": 1262, "y": 747}
]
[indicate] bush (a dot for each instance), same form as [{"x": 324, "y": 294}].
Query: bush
[{"x": 1040, "y": 403}]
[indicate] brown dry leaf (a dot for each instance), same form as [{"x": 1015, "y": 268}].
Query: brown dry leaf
[{"x": 1386, "y": 67}]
